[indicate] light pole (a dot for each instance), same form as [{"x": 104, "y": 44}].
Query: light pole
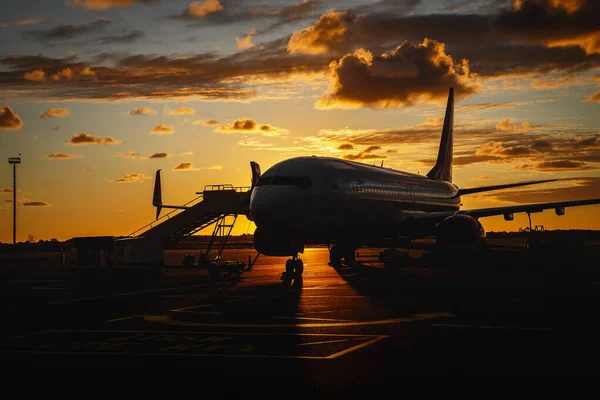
[{"x": 14, "y": 161}]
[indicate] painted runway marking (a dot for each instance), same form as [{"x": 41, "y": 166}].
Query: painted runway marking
[
  {"x": 126, "y": 318},
  {"x": 315, "y": 319},
  {"x": 491, "y": 327},
  {"x": 195, "y": 344},
  {"x": 166, "y": 319},
  {"x": 191, "y": 307}
]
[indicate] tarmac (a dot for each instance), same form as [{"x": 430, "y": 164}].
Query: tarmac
[{"x": 346, "y": 331}]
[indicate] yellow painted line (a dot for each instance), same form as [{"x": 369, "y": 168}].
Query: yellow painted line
[
  {"x": 516, "y": 328},
  {"x": 315, "y": 319},
  {"x": 325, "y": 342},
  {"x": 354, "y": 348},
  {"x": 165, "y": 319}
]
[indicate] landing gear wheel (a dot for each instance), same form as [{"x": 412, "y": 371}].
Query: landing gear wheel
[
  {"x": 299, "y": 267},
  {"x": 335, "y": 256},
  {"x": 289, "y": 267}
]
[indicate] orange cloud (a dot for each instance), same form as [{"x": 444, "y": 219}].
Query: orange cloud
[
  {"x": 507, "y": 125},
  {"x": 35, "y": 76},
  {"x": 558, "y": 165},
  {"x": 163, "y": 129},
  {"x": 36, "y": 203},
  {"x": 185, "y": 166},
  {"x": 408, "y": 75},
  {"x": 209, "y": 122},
  {"x": 179, "y": 111},
  {"x": 159, "y": 155},
  {"x": 200, "y": 9},
  {"x": 22, "y": 22},
  {"x": 142, "y": 111},
  {"x": 326, "y": 33},
  {"x": 345, "y": 146},
  {"x": 248, "y": 125},
  {"x": 83, "y": 139},
  {"x": 595, "y": 98},
  {"x": 66, "y": 73},
  {"x": 62, "y": 156},
  {"x": 246, "y": 42},
  {"x": 365, "y": 154},
  {"x": 133, "y": 177},
  {"x": 9, "y": 119},
  {"x": 130, "y": 154},
  {"x": 55, "y": 113}
]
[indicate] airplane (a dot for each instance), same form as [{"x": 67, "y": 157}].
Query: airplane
[{"x": 313, "y": 200}]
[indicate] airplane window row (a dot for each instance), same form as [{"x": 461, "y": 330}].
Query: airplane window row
[
  {"x": 302, "y": 182},
  {"x": 393, "y": 192}
]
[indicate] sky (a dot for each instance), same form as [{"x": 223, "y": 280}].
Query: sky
[{"x": 96, "y": 95}]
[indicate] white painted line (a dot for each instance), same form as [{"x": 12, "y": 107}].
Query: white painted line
[
  {"x": 316, "y": 319},
  {"x": 125, "y": 318},
  {"x": 358, "y": 346},
  {"x": 324, "y": 342},
  {"x": 491, "y": 327}
]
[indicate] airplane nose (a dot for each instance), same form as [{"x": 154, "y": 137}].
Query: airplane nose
[{"x": 270, "y": 207}]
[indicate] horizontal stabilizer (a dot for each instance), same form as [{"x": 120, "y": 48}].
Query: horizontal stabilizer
[
  {"x": 463, "y": 192},
  {"x": 157, "y": 197}
]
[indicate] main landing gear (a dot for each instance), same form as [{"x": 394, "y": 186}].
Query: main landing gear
[
  {"x": 294, "y": 266},
  {"x": 337, "y": 252}
]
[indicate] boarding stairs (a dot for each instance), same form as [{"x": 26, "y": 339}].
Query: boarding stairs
[{"x": 212, "y": 205}]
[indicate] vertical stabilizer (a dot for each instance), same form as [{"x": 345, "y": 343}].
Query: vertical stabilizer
[
  {"x": 157, "y": 198},
  {"x": 442, "y": 169}
]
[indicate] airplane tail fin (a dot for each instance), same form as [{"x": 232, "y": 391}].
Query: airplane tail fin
[
  {"x": 157, "y": 198},
  {"x": 442, "y": 170}
]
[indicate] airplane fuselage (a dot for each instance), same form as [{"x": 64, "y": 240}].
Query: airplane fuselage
[{"x": 319, "y": 200}]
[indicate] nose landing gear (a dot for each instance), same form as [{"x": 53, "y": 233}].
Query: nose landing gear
[{"x": 294, "y": 266}]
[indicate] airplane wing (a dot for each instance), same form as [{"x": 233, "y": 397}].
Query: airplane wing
[
  {"x": 559, "y": 207},
  {"x": 462, "y": 192}
]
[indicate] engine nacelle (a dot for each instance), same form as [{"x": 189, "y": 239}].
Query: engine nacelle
[
  {"x": 460, "y": 230},
  {"x": 509, "y": 217},
  {"x": 560, "y": 210},
  {"x": 276, "y": 244}
]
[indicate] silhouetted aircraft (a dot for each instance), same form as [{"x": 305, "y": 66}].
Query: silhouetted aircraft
[{"x": 321, "y": 200}]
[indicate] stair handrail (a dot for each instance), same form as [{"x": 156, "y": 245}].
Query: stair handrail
[{"x": 167, "y": 215}]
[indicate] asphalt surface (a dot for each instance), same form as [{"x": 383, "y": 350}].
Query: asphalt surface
[{"x": 346, "y": 331}]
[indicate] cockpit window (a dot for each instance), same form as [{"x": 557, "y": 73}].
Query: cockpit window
[{"x": 302, "y": 182}]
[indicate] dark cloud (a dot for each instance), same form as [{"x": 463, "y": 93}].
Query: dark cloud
[
  {"x": 248, "y": 125},
  {"x": 163, "y": 129},
  {"x": 37, "y": 203},
  {"x": 9, "y": 119},
  {"x": 159, "y": 155},
  {"x": 345, "y": 146},
  {"x": 571, "y": 189},
  {"x": 65, "y": 32},
  {"x": 83, "y": 139},
  {"x": 185, "y": 166},
  {"x": 142, "y": 111},
  {"x": 405, "y": 76},
  {"x": 365, "y": 154},
  {"x": 130, "y": 37},
  {"x": 559, "y": 165}
]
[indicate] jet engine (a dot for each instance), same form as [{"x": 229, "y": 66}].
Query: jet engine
[
  {"x": 460, "y": 230},
  {"x": 276, "y": 244}
]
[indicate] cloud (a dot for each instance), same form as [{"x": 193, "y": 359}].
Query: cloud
[
  {"x": 480, "y": 178},
  {"x": 365, "y": 154},
  {"x": 55, "y": 113},
  {"x": 104, "y": 4},
  {"x": 321, "y": 37},
  {"x": 179, "y": 111},
  {"x": 345, "y": 146},
  {"x": 408, "y": 75},
  {"x": 9, "y": 190},
  {"x": 62, "y": 156},
  {"x": 248, "y": 125},
  {"x": 163, "y": 129},
  {"x": 130, "y": 37},
  {"x": 216, "y": 167},
  {"x": 200, "y": 9},
  {"x": 568, "y": 189},
  {"x": 246, "y": 42},
  {"x": 159, "y": 155},
  {"x": 9, "y": 119},
  {"x": 206, "y": 122},
  {"x": 127, "y": 154},
  {"x": 66, "y": 32},
  {"x": 559, "y": 165},
  {"x": 35, "y": 76},
  {"x": 36, "y": 203},
  {"x": 142, "y": 111},
  {"x": 23, "y": 22},
  {"x": 185, "y": 166},
  {"x": 595, "y": 98},
  {"x": 507, "y": 125},
  {"x": 83, "y": 139},
  {"x": 133, "y": 177}
]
